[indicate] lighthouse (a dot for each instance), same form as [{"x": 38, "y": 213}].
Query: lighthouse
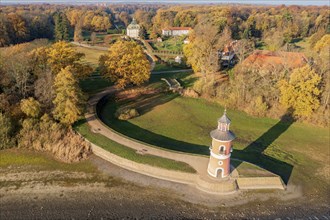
[{"x": 220, "y": 151}]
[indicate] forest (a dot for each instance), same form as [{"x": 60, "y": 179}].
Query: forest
[{"x": 40, "y": 71}]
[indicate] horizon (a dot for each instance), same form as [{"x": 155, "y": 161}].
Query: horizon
[{"x": 197, "y": 2}]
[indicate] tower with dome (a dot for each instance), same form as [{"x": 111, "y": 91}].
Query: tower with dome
[
  {"x": 133, "y": 29},
  {"x": 220, "y": 151}
]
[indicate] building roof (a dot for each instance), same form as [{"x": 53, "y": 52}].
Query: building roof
[
  {"x": 222, "y": 135},
  {"x": 265, "y": 59},
  {"x": 133, "y": 25},
  {"x": 177, "y": 29},
  {"x": 224, "y": 119}
]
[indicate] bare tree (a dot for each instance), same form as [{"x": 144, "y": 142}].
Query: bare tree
[{"x": 243, "y": 49}]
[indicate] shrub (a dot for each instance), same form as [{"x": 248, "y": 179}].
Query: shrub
[
  {"x": 47, "y": 135},
  {"x": 257, "y": 107},
  {"x": 126, "y": 113}
]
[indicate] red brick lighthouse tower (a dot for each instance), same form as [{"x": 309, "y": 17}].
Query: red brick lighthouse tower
[{"x": 219, "y": 164}]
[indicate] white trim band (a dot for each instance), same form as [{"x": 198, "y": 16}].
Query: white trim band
[{"x": 220, "y": 157}]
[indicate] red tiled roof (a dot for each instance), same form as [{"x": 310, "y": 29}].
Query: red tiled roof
[
  {"x": 265, "y": 59},
  {"x": 178, "y": 29}
]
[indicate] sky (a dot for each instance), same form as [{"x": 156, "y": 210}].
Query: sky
[{"x": 272, "y": 2}]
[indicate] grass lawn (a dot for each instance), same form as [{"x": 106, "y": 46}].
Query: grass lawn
[
  {"x": 171, "y": 44},
  {"x": 249, "y": 170},
  {"x": 165, "y": 67},
  {"x": 41, "y": 161},
  {"x": 94, "y": 84},
  {"x": 183, "y": 124},
  {"x": 40, "y": 167},
  {"x": 91, "y": 55},
  {"x": 128, "y": 153}
]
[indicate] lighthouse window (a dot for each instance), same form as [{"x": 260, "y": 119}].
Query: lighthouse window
[
  {"x": 222, "y": 149},
  {"x": 220, "y": 163}
]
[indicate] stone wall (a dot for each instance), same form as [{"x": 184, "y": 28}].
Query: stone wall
[
  {"x": 260, "y": 183},
  {"x": 174, "y": 176},
  {"x": 223, "y": 187}
]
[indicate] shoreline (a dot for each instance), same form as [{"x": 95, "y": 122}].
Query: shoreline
[{"x": 132, "y": 195}]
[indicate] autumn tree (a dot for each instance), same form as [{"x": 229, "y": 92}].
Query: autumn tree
[
  {"x": 31, "y": 107},
  {"x": 100, "y": 23},
  {"x": 125, "y": 64},
  {"x": 125, "y": 18},
  {"x": 4, "y": 36},
  {"x": 301, "y": 92},
  {"x": 18, "y": 31},
  {"x": 61, "y": 55},
  {"x": 244, "y": 48},
  {"x": 206, "y": 41},
  {"x": 5, "y": 131},
  {"x": 69, "y": 100},
  {"x": 93, "y": 38},
  {"x": 77, "y": 37},
  {"x": 143, "y": 33}
]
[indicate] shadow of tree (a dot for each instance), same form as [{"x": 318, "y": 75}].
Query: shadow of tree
[
  {"x": 254, "y": 152},
  {"x": 106, "y": 110}
]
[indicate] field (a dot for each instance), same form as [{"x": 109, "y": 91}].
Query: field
[{"x": 294, "y": 151}]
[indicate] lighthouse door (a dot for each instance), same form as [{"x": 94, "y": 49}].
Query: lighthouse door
[{"x": 219, "y": 172}]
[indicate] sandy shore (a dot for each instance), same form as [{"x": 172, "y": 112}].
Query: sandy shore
[{"x": 131, "y": 195}]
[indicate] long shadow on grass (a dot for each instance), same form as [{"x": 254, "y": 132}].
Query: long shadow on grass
[
  {"x": 254, "y": 151},
  {"x": 106, "y": 110}
]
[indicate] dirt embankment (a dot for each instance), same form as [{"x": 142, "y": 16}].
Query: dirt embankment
[{"x": 49, "y": 195}]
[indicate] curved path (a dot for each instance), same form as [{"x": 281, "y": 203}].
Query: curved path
[
  {"x": 199, "y": 163},
  {"x": 201, "y": 179}
]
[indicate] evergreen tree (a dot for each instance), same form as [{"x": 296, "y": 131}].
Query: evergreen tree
[
  {"x": 58, "y": 27},
  {"x": 61, "y": 27}
]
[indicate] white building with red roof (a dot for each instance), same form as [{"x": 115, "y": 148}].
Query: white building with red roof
[{"x": 176, "y": 31}]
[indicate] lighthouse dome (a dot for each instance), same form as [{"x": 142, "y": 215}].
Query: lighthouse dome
[{"x": 222, "y": 133}]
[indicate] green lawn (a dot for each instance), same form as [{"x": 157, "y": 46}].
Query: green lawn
[
  {"x": 171, "y": 44},
  {"x": 16, "y": 161},
  {"x": 41, "y": 161},
  {"x": 128, "y": 153},
  {"x": 183, "y": 124},
  {"x": 165, "y": 67},
  {"x": 91, "y": 55},
  {"x": 94, "y": 84}
]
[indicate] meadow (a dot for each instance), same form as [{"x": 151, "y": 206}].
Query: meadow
[{"x": 295, "y": 151}]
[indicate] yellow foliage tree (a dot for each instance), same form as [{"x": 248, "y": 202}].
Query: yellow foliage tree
[
  {"x": 125, "y": 64},
  {"x": 31, "y": 107},
  {"x": 301, "y": 91},
  {"x": 69, "y": 101},
  {"x": 323, "y": 43},
  {"x": 61, "y": 55}
]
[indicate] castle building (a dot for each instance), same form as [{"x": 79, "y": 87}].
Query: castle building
[
  {"x": 220, "y": 151},
  {"x": 133, "y": 29}
]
